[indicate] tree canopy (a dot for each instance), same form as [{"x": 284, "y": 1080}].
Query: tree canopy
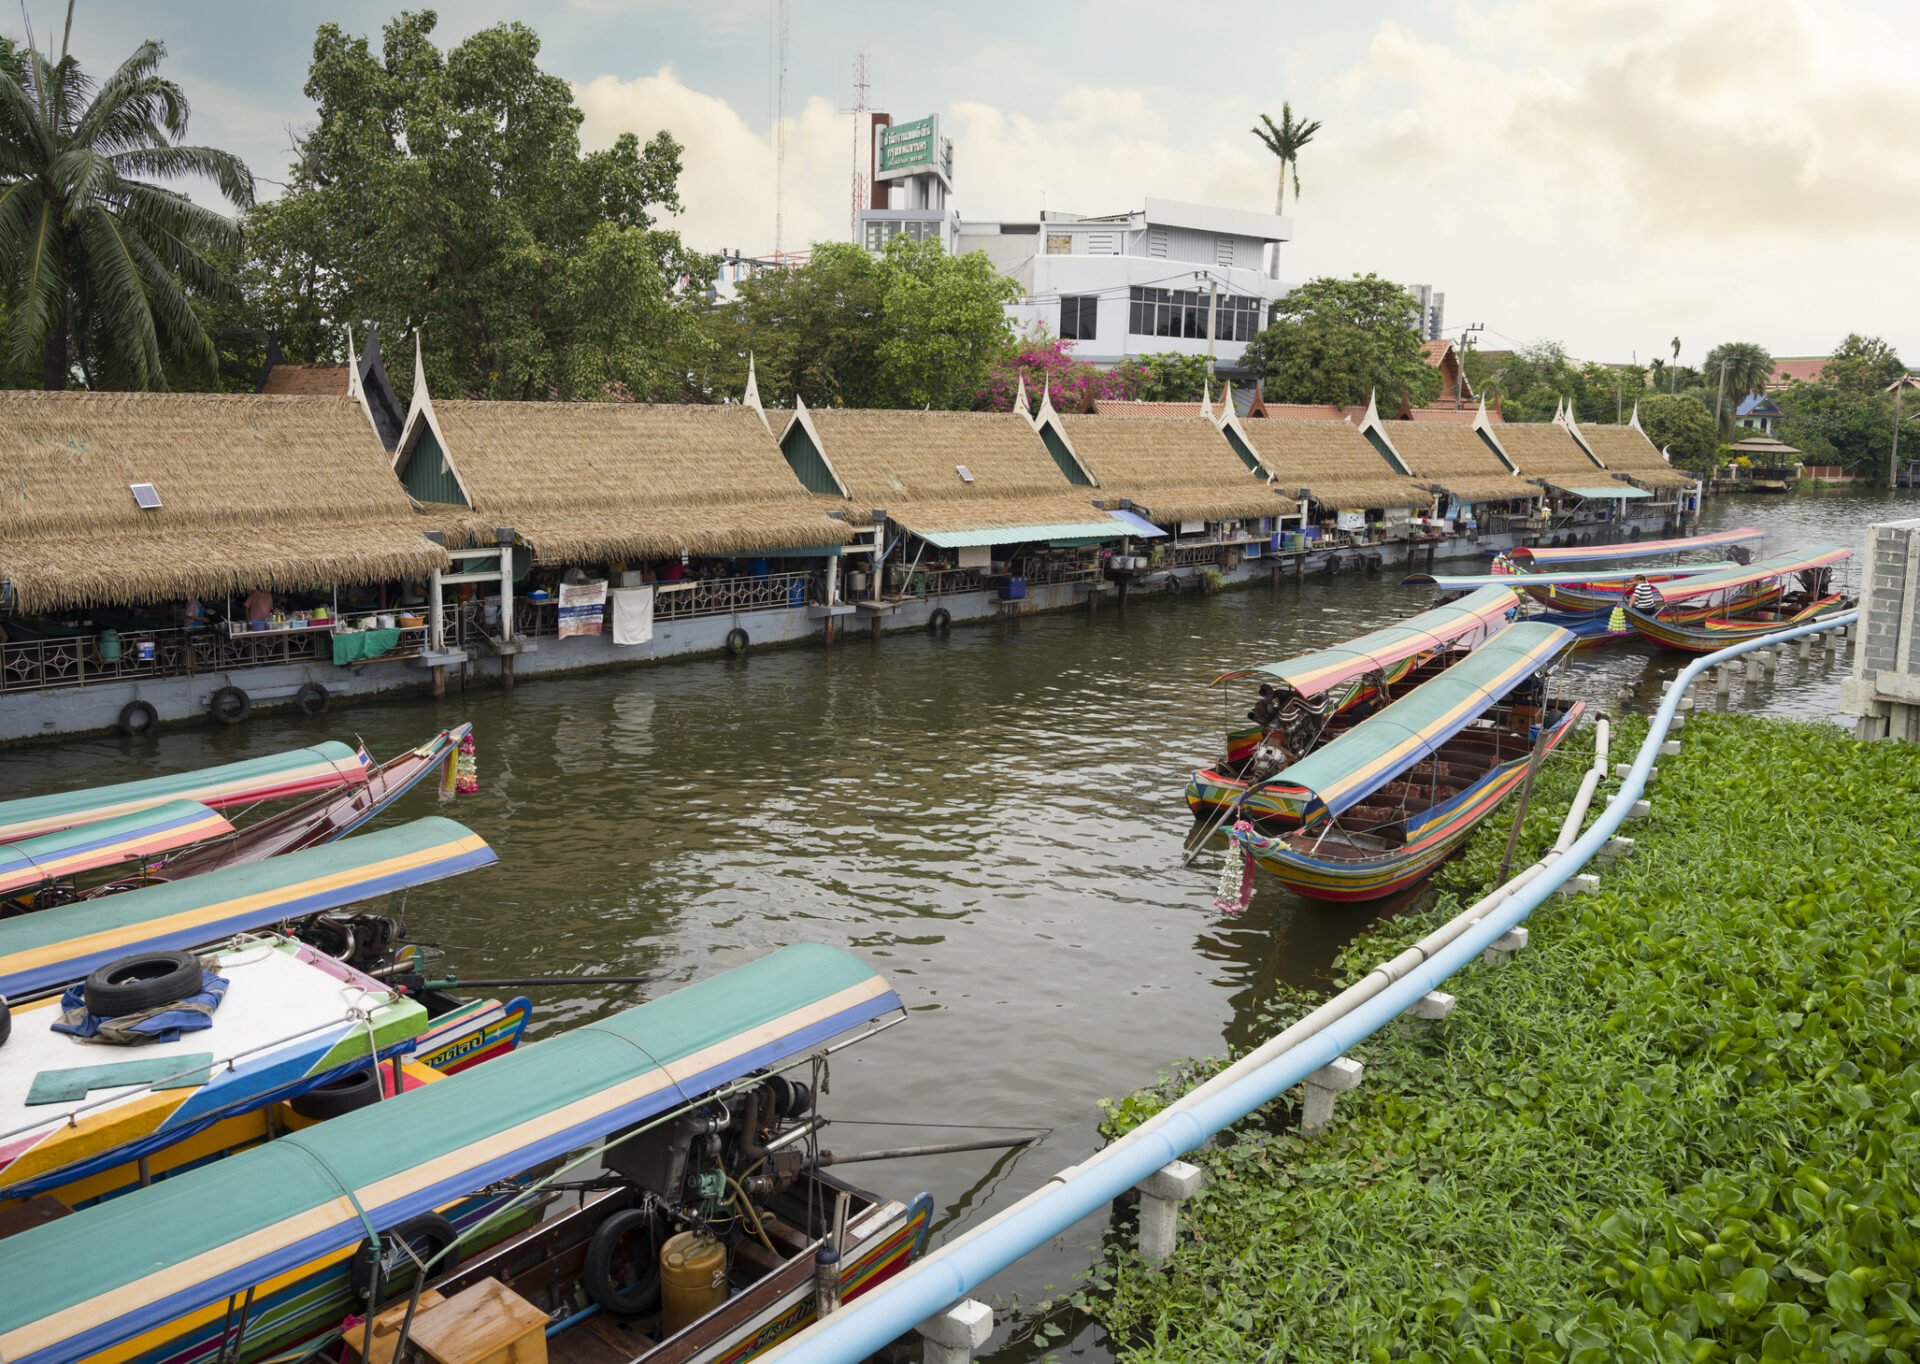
[
  {"x": 1748, "y": 367},
  {"x": 448, "y": 191},
  {"x": 1681, "y": 425},
  {"x": 910, "y": 327},
  {"x": 1863, "y": 364},
  {"x": 98, "y": 258},
  {"x": 1175, "y": 378},
  {"x": 1048, "y": 366},
  {"x": 1339, "y": 341}
]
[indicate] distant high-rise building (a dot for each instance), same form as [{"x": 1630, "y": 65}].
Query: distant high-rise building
[{"x": 1431, "y": 320}]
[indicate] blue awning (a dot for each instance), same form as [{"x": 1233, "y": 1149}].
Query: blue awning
[
  {"x": 1137, "y": 526},
  {"x": 1093, "y": 532},
  {"x": 1612, "y": 490}
]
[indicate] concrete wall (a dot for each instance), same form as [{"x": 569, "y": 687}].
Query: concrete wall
[
  {"x": 1884, "y": 691},
  {"x": 29, "y": 716}
]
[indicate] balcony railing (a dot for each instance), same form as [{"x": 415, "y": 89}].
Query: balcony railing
[
  {"x": 468, "y": 623},
  {"x": 76, "y": 661}
]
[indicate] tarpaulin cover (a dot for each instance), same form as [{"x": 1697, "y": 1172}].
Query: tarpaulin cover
[
  {"x": 1311, "y": 674},
  {"x": 1637, "y": 549},
  {"x": 84, "y": 847}
]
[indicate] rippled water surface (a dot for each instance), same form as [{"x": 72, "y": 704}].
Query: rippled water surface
[{"x": 992, "y": 818}]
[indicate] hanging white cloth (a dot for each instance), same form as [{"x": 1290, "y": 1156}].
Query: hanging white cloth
[{"x": 632, "y": 615}]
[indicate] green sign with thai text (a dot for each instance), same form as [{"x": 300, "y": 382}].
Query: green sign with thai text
[{"x": 909, "y": 146}]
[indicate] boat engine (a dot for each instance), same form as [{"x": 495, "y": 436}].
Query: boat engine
[{"x": 746, "y": 1147}]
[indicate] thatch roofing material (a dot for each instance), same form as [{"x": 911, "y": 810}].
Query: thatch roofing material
[
  {"x": 1130, "y": 407},
  {"x": 1173, "y": 468},
  {"x": 1626, "y": 451},
  {"x": 608, "y": 482},
  {"x": 908, "y": 464},
  {"x": 1334, "y": 461},
  {"x": 1456, "y": 458},
  {"x": 308, "y": 381},
  {"x": 1547, "y": 450},
  {"x": 256, "y": 490}
]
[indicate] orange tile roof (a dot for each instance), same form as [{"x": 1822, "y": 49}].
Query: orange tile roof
[
  {"x": 1806, "y": 368},
  {"x": 1433, "y": 352},
  {"x": 326, "y": 381}
]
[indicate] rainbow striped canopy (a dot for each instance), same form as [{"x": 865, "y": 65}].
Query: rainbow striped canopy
[
  {"x": 1638, "y": 549},
  {"x": 54, "y": 946},
  {"x": 1760, "y": 570},
  {"x": 82, "y": 1284},
  {"x": 1380, "y": 748},
  {"x": 281, "y": 774},
  {"x": 1311, "y": 674},
  {"x": 1563, "y": 578},
  {"x": 154, "y": 830}
]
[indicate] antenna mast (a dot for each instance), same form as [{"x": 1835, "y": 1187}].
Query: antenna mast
[
  {"x": 859, "y": 112},
  {"x": 780, "y": 128}
]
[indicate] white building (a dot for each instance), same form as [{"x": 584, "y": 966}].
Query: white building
[{"x": 1134, "y": 284}]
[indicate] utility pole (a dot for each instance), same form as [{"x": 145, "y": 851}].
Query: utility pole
[
  {"x": 1213, "y": 327},
  {"x": 1720, "y": 401},
  {"x": 1893, "y": 460}
]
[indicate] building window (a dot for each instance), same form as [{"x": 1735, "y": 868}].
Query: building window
[
  {"x": 1059, "y": 243},
  {"x": 1078, "y": 317},
  {"x": 1183, "y": 312}
]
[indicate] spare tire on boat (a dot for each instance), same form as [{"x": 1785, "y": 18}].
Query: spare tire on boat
[
  {"x": 428, "y": 1235},
  {"x": 342, "y": 1094},
  {"x": 143, "y": 981},
  {"x": 630, "y": 1241}
]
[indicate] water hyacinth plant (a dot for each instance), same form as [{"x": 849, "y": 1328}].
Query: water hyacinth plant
[{"x": 1684, "y": 1124}]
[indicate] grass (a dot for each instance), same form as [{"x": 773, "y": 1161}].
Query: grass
[{"x": 1684, "y": 1124}]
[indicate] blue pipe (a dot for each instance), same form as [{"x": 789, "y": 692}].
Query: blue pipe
[
  {"x": 956, "y": 1269},
  {"x": 557, "y": 1327}
]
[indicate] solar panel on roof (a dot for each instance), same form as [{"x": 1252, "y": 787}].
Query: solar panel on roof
[
  {"x": 966, "y": 475},
  {"x": 144, "y": 496}
]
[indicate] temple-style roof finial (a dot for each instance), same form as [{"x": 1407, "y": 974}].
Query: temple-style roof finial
[{"x": 752, "y": 396}]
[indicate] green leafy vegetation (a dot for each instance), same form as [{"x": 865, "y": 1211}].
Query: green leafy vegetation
[
  {"x": 1335, "y": 340},
  {"x": 1684, "y": 1124}
]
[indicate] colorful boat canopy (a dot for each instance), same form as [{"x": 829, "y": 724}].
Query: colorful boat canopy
[
  {"x": 1380, "y": 748},
  {"x": 54, "y": 946},
  {"x": 1638, "y": 549},
  {"x": 283, "y": 774},
  {"x": 1311, "y": 674},
  {"x": 1566, "y": 578},
  {"x": 82, "y": 1284},
  {"x": 1730, "y": 576},
  {"x": 85, "y": 847}
]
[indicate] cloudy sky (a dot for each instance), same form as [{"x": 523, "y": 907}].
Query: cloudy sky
[{"x": 1608, "y": 173}]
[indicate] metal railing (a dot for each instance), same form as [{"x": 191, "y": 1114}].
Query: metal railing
[
  {"x": 76, "y": 661},
  {"x": 948, "y": 1274},
  {"x": 690, "y": 599}
]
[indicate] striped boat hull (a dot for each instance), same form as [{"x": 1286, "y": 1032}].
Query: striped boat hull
[
  {"x": 1289, "y": 856},
  {"x": 1713, "y": 635}
]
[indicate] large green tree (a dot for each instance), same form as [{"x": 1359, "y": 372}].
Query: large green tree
[
  {"x": 1748, "y": 366},
  {"x": 1682, "y": 426},
  {"x": 446, "y": 190},
  {"x": 1176, "y": 378},
  {"x": 1338, "y": 340},
  {"x": 1832, "y": 425},
  {"x": 97, "y": 257},
  {"x": 909, "y": 327},
  {"x": 1863, "y": 364}
]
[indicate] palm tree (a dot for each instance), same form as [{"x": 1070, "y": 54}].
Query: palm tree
[
  {"x": 1749, "y": 366},
  {"x": 1285, "y": 141},
  {"x": 1676, "y": 361},
  {"x": 95, "y": 261}
]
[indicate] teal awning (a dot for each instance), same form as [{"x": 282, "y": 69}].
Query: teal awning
[
  {"x": 1085, "y": 532},
  {"x": 801, "y": 552},
  {"x": 1611, "y": 490}
]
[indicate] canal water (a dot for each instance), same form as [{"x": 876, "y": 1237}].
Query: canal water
[{"x": 993, "y": 818}]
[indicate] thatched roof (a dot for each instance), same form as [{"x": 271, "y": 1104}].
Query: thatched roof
[
  {"x": 308, "y": 381},
  {"x": 1547, "y": 450},
  {"x": 1332, "y": 460},
  {"x": 908, "y": 463},
  {"x": 1174, "y": 469},
  {"x": 255, "y": 490},
  {"x": 609, "y": 482},
  {"x": 1626, "y": 450},
  {"x": 1456, "y": 458},
  {"x": 1131, "y": 407}
]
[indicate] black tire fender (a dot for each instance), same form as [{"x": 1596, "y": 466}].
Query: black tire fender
[
  {"x": 737, "y": 641},
  {"x": 145, "y": 980},
  {"x": 940, "y": 620},
  {"x": 137, "y": 717},
  {"x": 342, "y": 1094},
  {"x": 230, "y": 705},
  {"x": 6, "y": 1022},
  {"x": 596, "y": 1275},
  {"x": 312, "y": 698},
  {"x": 428, "y": 1234},
  {"x": 1173, "y": 583}
]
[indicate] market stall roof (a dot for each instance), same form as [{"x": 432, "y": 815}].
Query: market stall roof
[
  {"x": 1375, "y": 751},
  {"x": 1627, "y": 452},
  {"x": 1458, "y": 459},
  {"x": 1331, "y": 459},
  {"x": 131, "y": 498},
  {"x": 1311, "y": 674},
  {"x": 944, "y": 473},
  {"x": 1588, "y": 488},
  {"x": 607, "y": 482},
  {"x": 1548, "y": 450},
  {"x": 1173, "y": 469}
]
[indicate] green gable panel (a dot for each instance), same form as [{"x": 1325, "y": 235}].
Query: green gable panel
[
  {"x": 1064, "y": 458},
  {"x": 428, "y": 477},
  {"x": 808, "y": 464},
  {"x": 1381, "y": 448},
  {"x": 1247, "y": 457}
]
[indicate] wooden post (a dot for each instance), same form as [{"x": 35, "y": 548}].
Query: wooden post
[
  {"x": 1093, "y": 601},
  {"x": 1123, "y": 596},
  {"x": 829, "y": 631},
  {"x": 506, "y": 671},
  {"x": 1526, "y": 793},
  {"x": 1300, "y": 568},
  {"x": 874, "y": 627},
  {"x": 439, "y": 679}
]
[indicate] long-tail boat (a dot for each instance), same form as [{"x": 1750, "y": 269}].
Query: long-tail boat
[
  {"x": 1321, "y": 694},
  {"x": 1692, "y": 624},
  {"x": 1536, "y": 557},
  {"x": 295, "y": 773},
  {"x": 294, "y": 1018},
  {"x": 679, "y": 1107},
  {"x": 40, "y": 871},
  {"x": 1380, "y": 807}
]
